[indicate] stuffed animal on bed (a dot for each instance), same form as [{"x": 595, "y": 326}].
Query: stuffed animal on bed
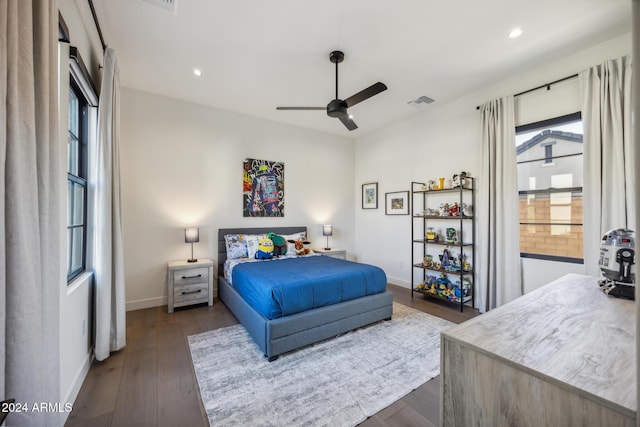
[
  {"x": 279, "y": 244},
  {"x": 265, "y": 249},
  {"x": 300, "y": 249}
]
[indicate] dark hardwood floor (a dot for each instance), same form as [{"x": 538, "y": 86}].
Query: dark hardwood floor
[{"x": 151, "y": 381}]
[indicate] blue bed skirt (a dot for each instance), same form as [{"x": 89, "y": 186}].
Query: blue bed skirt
[{"x": 278, "y": 336}]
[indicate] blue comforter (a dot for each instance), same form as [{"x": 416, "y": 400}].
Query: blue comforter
[{"x": 293, "y": 285}]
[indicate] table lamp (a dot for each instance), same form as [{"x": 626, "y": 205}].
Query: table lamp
[
  {"x": 327, "y": 230},
  {"x": 191, "y": 235}
]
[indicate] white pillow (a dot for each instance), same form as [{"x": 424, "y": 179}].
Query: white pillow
[{"x": 236, "y": 246}]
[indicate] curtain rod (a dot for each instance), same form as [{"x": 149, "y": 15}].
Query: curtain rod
[
  {"x": 95, "y": 20},
  {"x": 546, "y": 85}
]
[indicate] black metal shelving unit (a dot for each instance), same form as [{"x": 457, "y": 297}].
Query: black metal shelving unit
[{"x": 452, "y": 292}]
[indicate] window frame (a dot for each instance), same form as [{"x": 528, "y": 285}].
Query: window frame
[
  {"x": 81, "y": 84},
  {"x": 548, "y": 154},
  {"x": 80, "y": 179},
  {"x": 549, "y": 161}
]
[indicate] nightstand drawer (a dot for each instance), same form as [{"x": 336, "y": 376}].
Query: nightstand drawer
[
  {"x": 189, "y": 283},
  {"x": 189, "y": 294},
  {"x": 190, "y": 276}
]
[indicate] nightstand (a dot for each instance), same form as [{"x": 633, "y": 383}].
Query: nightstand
[
  {"x": 335, "y": 253},
  {"x": 189, "y": 283}
]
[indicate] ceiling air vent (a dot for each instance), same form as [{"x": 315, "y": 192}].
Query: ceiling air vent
[
  {"x": 168, "y": 5},
  {"x": 421, "y": 100}
]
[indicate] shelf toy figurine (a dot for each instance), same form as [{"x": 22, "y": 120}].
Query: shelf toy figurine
[
  {"x": 443, "y": 282},
  {"x": 421, "y": 287},
  {"x": 432, "y": 286},
  {"x": 449, "y": 293},
  {"x": 462, "y": 289},
  {"x": 451, "y": 236},
  {"x": 463, "y": 262},
  {"x": 459, "y": 179},
  {"x": 465, "y": 210},
  {"x": 428, "y": 261},
  {"x": 444, "y": 209},
  {"x": 466, "y": 287},
  {"x": 454, "y": 264},
  {"x": 431, "y": 235},
  {"x": 454, "y": 209},
  {"x": 445, "y": 259}
]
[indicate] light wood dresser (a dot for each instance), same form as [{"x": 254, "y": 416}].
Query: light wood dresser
[
  {"x": 189, "y": 283},
  {"x": 562, "y": 355}
]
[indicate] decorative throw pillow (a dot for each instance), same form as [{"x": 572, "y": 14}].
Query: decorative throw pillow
[
  {"x": 236, "y": 246},
  {"x": 253, "y": 241}
]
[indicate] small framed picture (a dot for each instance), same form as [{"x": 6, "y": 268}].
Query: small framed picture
[
  {"x": 370, "y": 195},
  {"x": 397, "y": 203}
]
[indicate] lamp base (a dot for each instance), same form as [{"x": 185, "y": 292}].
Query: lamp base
[
  {"x": 192, "y": 260},
  {"x": 327, "y": 249}
]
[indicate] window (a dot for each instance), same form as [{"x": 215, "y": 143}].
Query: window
[
  {"x": 548, "y": 154},
  {"x": 549, "y": 165},
  {"x": 76, "y": 182},
  {"x": 82, "y": 103}
]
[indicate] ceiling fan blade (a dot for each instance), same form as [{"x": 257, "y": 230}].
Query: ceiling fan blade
[
  {"x": 374, "y": 89},
  {"x": 302, "y": 108},
  {"x": 349, "y": 123}
]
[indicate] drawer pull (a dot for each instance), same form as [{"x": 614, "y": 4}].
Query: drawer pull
[
  {"x": 191, "y": 292},
  {"x": 192, "y": 277}
]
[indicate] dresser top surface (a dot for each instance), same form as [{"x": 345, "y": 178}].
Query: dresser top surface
[{"x": 569, "y": 331}]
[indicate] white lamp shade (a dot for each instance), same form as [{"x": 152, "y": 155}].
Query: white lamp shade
[
  {"x": 191, "y": 235},
  {"x": 327, "y": 230}
]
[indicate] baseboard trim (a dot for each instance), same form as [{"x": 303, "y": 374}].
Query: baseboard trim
[
  {"x": 146, "y": 303},
  {"x": 72, "y": 394},
  {"x": 399, "y": 282}
]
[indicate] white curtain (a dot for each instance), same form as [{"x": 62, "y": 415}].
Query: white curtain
[
  {"x": 498, "y": 260},
  {"x": 108, "y": 251},
  {"x": 30, "y": 271},
  {"x": 609, "y": 173},
  {"x": 636, "y": 141}
]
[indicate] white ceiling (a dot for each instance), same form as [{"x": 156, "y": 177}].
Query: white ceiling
[{"x": 259, "y": 54}]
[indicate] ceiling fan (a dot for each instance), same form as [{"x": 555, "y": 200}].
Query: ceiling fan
[{"x": 338, "y": 107}]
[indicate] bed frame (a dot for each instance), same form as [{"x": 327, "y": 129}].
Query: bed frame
[{"x": 277, "y": 336}]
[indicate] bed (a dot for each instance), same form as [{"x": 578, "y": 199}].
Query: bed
[{"x": 292, "y": 331}]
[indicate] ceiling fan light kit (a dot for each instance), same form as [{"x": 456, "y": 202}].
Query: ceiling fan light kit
[{"x": 337, "y": 108}]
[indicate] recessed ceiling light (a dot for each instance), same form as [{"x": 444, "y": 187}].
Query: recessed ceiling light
[
  {"x": 197, "y": 72},
  {"x": 516, "y": 32}
]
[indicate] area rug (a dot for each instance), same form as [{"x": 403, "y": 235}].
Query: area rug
[{"x": 337, "y": 382}]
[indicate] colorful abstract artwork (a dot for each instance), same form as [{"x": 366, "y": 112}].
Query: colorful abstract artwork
[{"x": 263, "y": 188}]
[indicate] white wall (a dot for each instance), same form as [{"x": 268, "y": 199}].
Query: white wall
[
  {"x": 76, "y": 300},
  {"x": 443, "y": 140},
  {"x": 182, "y": 166}
]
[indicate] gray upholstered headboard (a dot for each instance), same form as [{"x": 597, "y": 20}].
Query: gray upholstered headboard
[{"x": 222, "y": 248}]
